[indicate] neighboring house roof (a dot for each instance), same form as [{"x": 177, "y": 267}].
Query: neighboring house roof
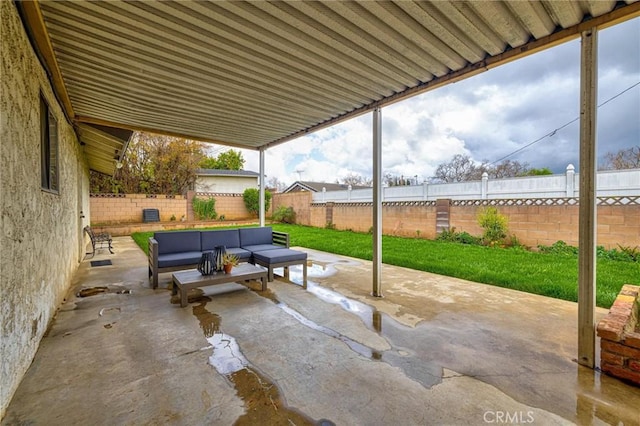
[
  {"x": 317, "y": 186},
  {"x": 220, "y": 172}
]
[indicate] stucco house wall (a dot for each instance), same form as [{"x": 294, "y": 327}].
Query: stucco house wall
[
  {"x": 225, "y": 184},
  {"x": 42, "y": 241}
]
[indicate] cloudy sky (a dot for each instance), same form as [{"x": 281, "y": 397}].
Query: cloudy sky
[{"x": 487, "y": 117}]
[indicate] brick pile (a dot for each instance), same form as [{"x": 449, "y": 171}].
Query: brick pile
[{"x": 619, "y": 334}]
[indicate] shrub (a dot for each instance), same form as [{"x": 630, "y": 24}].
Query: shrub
[
  {"x": 625, "y": 254},
  {"x": 632, "y": 253},
  {"x": 329, "y": 225},
  {"x": 251, "y": 197},
  {"x": 204, "y": 209},
  {"x": 452, "y": 236},
  {"x": 284, "y": 215},
  {"x": 494, "y": 225},
  {"x": 559, "y": 247}
]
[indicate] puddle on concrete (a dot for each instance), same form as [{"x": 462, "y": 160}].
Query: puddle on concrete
[
  {"x": 423, "y": 371},
  {"x": 358, "y": 348},
  {"x": 262, "y": 399}
]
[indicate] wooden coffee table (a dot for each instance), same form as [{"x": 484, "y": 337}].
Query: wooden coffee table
[{"x": 192, "y": 278}]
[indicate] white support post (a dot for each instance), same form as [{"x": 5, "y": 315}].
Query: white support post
[
  {"x": 484, "y": 189},
  {"x": 571, "y": 178},
  {"x": 377, "y": 203},
  {"x": 261, "y": 203},
  {"x": 587, "y": 211}
]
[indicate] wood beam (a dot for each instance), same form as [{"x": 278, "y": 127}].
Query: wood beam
[{"x": 587, "y": 209}]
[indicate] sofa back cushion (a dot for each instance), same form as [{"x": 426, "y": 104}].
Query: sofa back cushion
[
  {"x": 177, "y": 242},
  {"x": 255, "y": 236},
  {"x": 229, "y": 238}
]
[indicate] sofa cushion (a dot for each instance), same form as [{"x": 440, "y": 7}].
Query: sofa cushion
[
  {"x": 223, "y": 237},
  {"x": 179, "y": 259},
  {"x": 177, "y": 242},
  {"x": 262, "y": 247},
  {"x": 255, "y": 236},
  {"x": 243, "y": 255},
  {"x": 280, "y": 255}
]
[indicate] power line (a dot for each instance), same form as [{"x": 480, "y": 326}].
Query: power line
[{"x": 553, "y": 132}]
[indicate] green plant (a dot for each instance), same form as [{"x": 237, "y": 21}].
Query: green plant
[
  {"x": 450, "y": 235},
  {"x": 222, "y": 218},
  {"x": 625, "y": 254},
  {"x": 494, "y": 225},
  {"x": 230, "y": 259},
  {"x": 284, "y": 215},
  {"x": 560, "y": 248},
  {"x": 632, "y": 253},
  {"x": 204, "y": 209},
  {"x": 329, "y": 225},
  {"x": 251, "y": 197},
  {"x": 172, "y": 218}
]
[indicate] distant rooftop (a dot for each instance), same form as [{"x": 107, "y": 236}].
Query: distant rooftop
[{"x": 317, "y": 186}]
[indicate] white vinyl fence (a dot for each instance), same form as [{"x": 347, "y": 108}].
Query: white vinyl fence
[{"x": 614, "y": 183}]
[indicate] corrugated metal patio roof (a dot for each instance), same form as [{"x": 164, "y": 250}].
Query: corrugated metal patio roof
[{"x": 255, "y": 74}]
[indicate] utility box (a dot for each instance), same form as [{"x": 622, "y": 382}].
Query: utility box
[{"x": 150, "y": 215}]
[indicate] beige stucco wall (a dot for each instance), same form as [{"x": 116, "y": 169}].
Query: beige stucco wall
[
  {"x": 41, "y": 242},
  {"x": 225, "y": 184}
]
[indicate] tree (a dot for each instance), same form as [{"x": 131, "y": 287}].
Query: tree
[
  {"x": 227, "y": 160},
  {"x": 508, "y": 168},
  {"x": 275, "y": 184},
  {"x": 539, "y": 172},
  {"x": 154, "y": 164},
  {"x": 624, "y": 159},
  {"x": 251, "y": 198},
  {"x": 461, "y": 168},
  {"x": 354, "y": 179}
]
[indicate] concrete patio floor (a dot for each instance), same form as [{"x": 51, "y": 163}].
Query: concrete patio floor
[{"x": 435, "y": 350}]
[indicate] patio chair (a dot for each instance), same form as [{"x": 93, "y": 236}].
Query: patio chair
[{"x": 100, "y": 239}]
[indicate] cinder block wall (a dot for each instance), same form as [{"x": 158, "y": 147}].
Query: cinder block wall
[
  {"x": 127, "y": 208},
  {"x": 113, "y": 209},
  {"x": 544, "y": 225},
  {"x": 300, "y": 201},
  {"x": 533, "y": 225},
  {"x": 230, "y": 205}
]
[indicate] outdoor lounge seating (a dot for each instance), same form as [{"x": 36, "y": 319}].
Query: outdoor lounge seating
[
  {"x": 173, "y": 251},
  {"x": 98, "y": 239},
  {"x": 282, "y": 258}
]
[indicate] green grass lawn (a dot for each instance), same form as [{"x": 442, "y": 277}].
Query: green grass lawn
[{"x": 551, "y": 275}]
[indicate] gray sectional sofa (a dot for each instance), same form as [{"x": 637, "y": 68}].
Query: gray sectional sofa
[{"x": 173, "y": 251}]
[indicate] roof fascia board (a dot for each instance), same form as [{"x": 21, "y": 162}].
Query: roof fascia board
[
  {"x": 618, "y": 15},
  {"x": 35, "y": 27},
  {"x": 96, "y": 121}
]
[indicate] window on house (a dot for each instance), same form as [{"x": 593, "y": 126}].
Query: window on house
[{"x": 48, "y": 148}]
